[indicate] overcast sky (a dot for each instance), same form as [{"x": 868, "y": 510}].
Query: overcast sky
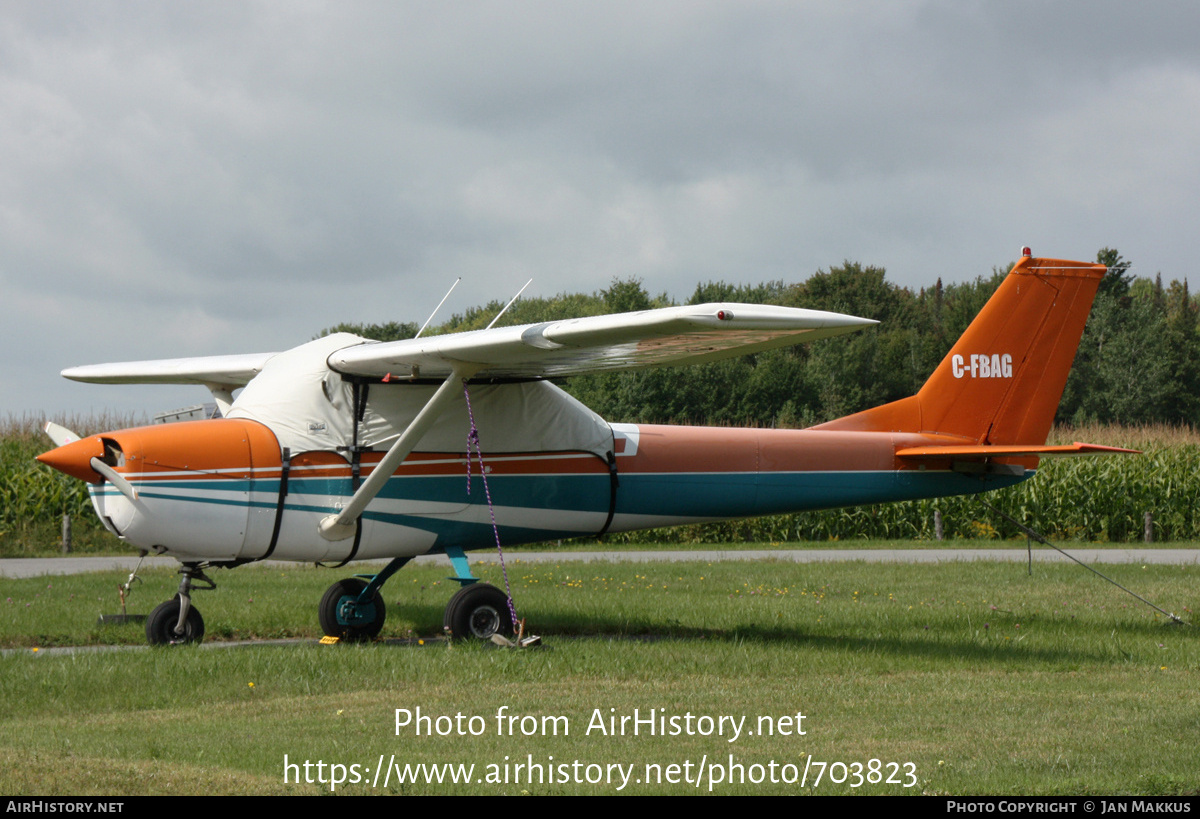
[{"x": 201, "y": 178}]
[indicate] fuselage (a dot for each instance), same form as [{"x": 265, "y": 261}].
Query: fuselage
[{"x": 223, "y": 490}]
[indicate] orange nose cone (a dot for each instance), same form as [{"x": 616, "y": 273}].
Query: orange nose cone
[{"x": 75, "y": 458}]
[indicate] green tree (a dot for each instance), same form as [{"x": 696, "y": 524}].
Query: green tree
[
  {"x": 765, "y": 293},
  {"x": 1181, "y": 404},
  {"x": 626, "y": 296},
  {"x": 1117, "y": 280},
  {"x": 392, "y": 331},
  {"x": 1122, "y": 370}
]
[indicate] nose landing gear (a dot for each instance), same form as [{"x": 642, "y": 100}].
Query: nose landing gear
[{"x": 176, "y": 621}]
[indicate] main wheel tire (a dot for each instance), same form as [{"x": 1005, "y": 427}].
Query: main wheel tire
[
  {"x": 372, "y": 620},
  {"x": 160, "y": 625},
  {"x": 477, "y": 612}
]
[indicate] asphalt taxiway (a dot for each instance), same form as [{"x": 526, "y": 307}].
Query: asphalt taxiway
[{"x": 35, "y": 567}]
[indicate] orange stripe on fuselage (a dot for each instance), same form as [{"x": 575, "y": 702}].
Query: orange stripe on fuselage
[{"x": 668, "y": 449}]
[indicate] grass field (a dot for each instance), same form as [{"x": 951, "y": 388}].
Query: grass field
[{"x": 971, "y": 678}]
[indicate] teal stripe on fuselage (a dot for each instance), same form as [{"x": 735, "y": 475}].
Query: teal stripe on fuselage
[
  {"x": 474, "y": 535},
  {"x": 748, "y": 494},
  {"x": 586, "y": 492}
]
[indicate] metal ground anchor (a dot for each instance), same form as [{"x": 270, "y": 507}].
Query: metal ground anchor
[{"x": 522, "y": 641}]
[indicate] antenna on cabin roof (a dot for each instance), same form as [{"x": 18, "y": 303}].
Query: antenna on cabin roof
[
  {"x": 439, "y": 307},
  {"x": 510, "y": 304}
]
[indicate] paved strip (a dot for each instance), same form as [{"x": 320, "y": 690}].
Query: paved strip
[
  {"x": 36, "y": 567},
  {"x": 1041, "y": 555},
  {"x": 57, "y": 651}
]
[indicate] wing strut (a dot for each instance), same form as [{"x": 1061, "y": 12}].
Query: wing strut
[{"x": 344, "y": 523}]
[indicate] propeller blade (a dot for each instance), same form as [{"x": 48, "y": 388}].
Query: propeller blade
[
  {"x": 60, "y": 435},
  {"x": 115, "y": 478}
]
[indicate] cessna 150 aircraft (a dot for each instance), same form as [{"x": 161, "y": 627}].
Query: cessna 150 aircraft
[{"x": 345, "y": 449}]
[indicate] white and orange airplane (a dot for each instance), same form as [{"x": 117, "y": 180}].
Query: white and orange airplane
[{"x": 344, "y": 449}]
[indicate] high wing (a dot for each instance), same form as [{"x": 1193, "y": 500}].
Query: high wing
[
  {"x": 219, "y": 371},
  {"x": 668, "y": 336}
]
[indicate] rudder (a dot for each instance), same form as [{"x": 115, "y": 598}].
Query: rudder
[{"x": 1002, "y": 380}]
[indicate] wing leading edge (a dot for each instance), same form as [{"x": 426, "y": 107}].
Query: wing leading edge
[
  {"x": 665, "y": 337},
  {"x": 220, "y": 371}
]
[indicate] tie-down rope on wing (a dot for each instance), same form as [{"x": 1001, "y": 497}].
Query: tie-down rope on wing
[{"x": 473, "y": 446}]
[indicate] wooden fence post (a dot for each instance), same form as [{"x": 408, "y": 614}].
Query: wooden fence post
[{"x": 66, "y": 534}]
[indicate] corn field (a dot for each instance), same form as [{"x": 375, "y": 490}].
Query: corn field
[
  {"x": 33, "y": 497},
  {"x": 1082, "y": 499}
]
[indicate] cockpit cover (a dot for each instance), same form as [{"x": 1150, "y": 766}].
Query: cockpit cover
[{"x": 310, "y": 407}]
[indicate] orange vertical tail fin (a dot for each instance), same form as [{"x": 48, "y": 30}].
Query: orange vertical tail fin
[{"x": 1003, "y": 379}]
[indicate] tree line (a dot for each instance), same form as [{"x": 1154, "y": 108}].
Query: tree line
[{"x": 1138, "y": 361}]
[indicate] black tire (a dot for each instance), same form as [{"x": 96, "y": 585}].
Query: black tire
[
  {"x": 327, "y": 612},
  {"x": 160, "y": 625},
  {"x": 478, "y": 611}
]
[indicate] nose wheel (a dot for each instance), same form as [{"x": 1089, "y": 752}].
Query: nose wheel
[
  {"x": 177, "y": 621},
  {"x": 162, "y": 626}
]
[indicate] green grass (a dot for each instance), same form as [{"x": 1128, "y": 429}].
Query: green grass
[
  {"x": 849, "y": 544},
  {"x": 41, "y": 539},
  {"x": 985, "y": 679}
]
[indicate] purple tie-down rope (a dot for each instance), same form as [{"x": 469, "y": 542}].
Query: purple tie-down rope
[{"x": 473, "y": 441}]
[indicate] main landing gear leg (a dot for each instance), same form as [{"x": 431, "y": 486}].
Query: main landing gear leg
[
  {"x": 353, "y": 609},
  {"x": 177, "y": 620}
]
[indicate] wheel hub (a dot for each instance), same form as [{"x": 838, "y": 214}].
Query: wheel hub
[
  {"x": 485, "y": 621},
  {"x": 351, "y": 612}
]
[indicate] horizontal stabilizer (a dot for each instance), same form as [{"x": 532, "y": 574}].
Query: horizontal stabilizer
[{"x": 1009, "y": 451}]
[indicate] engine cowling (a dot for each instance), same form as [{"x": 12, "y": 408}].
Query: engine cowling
[{"x": 204, "y": 489}]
